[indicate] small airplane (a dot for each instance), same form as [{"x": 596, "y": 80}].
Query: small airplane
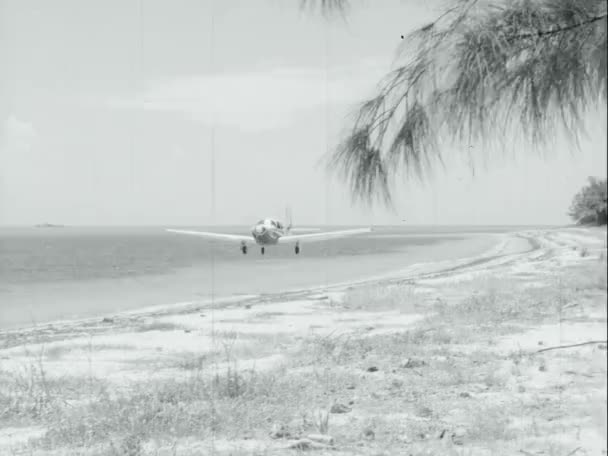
[{"x": 270, "y": 231}]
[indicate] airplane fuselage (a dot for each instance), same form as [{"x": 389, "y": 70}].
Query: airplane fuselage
[{"x": 268, "y": 232}]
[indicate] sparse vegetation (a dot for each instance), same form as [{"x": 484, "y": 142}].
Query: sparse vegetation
[
  {"x": 157, "y": 326},
  {"x": 382, "y": 298}
]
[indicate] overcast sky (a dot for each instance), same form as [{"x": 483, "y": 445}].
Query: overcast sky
[{"x": 107, "y": 108}]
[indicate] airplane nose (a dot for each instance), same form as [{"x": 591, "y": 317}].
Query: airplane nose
[{"x": 259, "y": 229}]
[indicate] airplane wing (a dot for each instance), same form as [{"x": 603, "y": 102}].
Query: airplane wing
[
  {"x": 322, "y": 236},
  {"x": 303, "y": 230},
  {"x": 221, "y": 236}
]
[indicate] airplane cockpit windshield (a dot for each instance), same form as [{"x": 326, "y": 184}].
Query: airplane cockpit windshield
[
  {"x": 270, "y": 222},
  {"x": 276, "y": 223}
]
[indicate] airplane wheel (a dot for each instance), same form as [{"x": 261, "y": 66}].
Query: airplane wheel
[
  {"x": 244, "y": 250},
  {"x": 297, "y": 249},
  {"x": 262, "y": 250}
]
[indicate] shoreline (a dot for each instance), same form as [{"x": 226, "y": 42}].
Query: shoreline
[
  {"x": 123, "y": 320},
  {"x": 27, "y": 304},
  {"x": 409, "y": 272}
]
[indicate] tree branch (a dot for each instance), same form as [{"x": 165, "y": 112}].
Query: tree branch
[
  {"x": 591, "y": 342},
  {"x": 554, "y": 31}
]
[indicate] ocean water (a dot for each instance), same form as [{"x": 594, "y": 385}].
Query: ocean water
[{"x": 58, "y": 273}]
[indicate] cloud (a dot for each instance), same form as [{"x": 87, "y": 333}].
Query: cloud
[{"x": 256, "y": 100}]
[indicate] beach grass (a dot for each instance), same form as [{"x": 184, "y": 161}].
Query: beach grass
[{"x": 469, "y": 377}]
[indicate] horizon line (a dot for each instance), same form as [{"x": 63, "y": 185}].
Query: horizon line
[{"x": 58, "y": 226}]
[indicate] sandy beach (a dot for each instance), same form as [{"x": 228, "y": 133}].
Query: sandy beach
[{"x": 397, "y": 361}]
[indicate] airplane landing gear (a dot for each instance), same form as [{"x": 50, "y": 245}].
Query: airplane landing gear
[
  {"x": 244, "y": 248},
  {"x": 297, "y": 249},
  {"x": 262, "y": 250}
]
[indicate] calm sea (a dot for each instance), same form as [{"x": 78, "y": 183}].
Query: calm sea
[{"x": 53, "y": 273}]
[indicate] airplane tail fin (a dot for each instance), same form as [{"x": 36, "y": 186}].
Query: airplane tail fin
[{"x": 288, "y": 219}]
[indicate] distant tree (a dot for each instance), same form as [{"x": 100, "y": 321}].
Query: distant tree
[
  {"x": 484, "y": 71},
  {"x": 589, "y": 205}
]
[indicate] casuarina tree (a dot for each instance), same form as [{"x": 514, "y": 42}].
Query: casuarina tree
[
  {"x": 589, "y": 204},
  {"x": 483, "y": 72}
]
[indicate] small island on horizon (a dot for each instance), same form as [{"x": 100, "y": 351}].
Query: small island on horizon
[{"x": 48, "y": 225}]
